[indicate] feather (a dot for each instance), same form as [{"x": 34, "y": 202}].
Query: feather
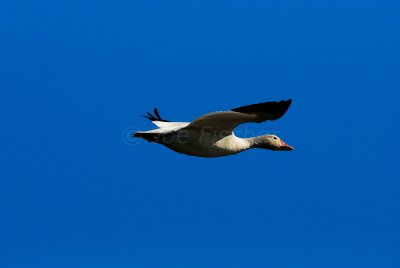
[{"x": 156, "y": 113}]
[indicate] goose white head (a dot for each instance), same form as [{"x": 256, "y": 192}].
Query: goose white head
[{"x": 270, "y": 142}]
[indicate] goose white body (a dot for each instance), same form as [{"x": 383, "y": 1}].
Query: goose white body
[{"x": 195, "y": 142}]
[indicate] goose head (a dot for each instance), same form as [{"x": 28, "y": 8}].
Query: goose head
[{"x": 270, "y": 142}]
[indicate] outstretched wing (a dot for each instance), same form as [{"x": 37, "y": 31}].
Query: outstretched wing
[{"x": 226, "y": 121}]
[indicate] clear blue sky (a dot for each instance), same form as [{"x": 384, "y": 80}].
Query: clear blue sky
[{"x": 76, "y": 75}]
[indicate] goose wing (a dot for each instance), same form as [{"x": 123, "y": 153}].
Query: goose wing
[
  {"x": 166, "y": 125},
  {"x": 226, "y": 121}
]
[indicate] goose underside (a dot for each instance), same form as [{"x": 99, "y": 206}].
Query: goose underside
[{"x": 195, "y": 143}]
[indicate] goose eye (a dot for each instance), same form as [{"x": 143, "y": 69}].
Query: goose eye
[{"x": 274, "y": 138}]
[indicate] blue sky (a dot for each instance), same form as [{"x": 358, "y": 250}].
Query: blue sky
[{"x": 76, "y": 75}]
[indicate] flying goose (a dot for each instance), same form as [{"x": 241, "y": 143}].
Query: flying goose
[{"x": 211, "y": 135}]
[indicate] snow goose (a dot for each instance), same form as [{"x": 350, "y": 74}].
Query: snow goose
[{"x": 211, "y": 135}]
